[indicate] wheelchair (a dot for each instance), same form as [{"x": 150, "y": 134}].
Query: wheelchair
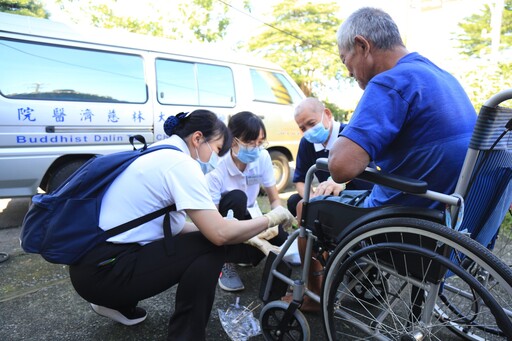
[{"x": 407, "y": 273}]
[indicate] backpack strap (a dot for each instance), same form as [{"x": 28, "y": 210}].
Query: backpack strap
[
  {"x": 139, "y": 221},
  {"x": 150, "y": 216},
  {"x": 139, "y": 138}
]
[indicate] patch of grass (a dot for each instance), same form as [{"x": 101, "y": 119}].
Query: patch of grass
[{"x": 506, "y": 226}]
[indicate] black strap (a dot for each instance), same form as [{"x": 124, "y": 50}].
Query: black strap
[
  {"x": 141, "y": 220},
  {"x": 139, "y": 138},
  {"x": 168, "y": 240}
]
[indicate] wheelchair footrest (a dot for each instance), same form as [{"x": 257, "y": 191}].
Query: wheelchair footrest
[{"x": 278, "y": 287}]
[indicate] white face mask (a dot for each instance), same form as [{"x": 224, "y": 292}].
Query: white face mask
[{"x": 212, "y": 161}]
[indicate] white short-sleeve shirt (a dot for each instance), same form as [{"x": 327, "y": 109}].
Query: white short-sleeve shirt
[
  {"x": 227, "y": 177},
  {"x": 151, "y": 182}
]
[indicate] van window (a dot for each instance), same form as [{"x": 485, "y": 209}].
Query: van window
[
  {"x": 50, "y": 72},
  {"x": 194, "y": 84},
  {"x": 273, "y": 87}
]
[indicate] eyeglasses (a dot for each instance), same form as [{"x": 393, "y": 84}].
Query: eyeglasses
[{"x": 253, "y": 145}]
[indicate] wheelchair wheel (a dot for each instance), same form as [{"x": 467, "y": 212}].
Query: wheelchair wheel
[
  {"x": 297, "y": 329},
  {"x": 502, "y": 248},
  {"x": 429, "y": 291}
]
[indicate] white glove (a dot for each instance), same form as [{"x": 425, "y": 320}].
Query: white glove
[
  {"x": 269, "y": 233},
  {"x": 281, "y": 215},
  {"x": 263, "y": 245}
]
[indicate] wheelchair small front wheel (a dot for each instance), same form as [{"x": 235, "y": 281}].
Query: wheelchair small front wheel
[{"x": 271, "y": 316}]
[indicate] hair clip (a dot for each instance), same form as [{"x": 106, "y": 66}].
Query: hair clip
[
  {"x": 170, "y": 123},
  {"x": 183, "y": 115}
]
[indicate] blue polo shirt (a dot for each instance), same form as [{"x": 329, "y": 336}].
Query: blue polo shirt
[{"x": 413, "y": 120}]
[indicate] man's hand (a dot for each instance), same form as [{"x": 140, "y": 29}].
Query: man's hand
[{"x": 328, "y": 187}]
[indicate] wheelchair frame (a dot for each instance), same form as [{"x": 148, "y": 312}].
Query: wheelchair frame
[{"x": 463, "y": 282}]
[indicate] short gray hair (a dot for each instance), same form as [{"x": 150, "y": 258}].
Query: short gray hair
[{"x": 373, "y": 24}]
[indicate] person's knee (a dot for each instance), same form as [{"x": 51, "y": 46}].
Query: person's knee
[
  {"x": 291, "y": 203},
  {"x": 235, "y": 200},
  {"x": 236, "y": 194}
]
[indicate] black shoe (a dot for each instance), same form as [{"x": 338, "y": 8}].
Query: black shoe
[{"x": 128, "y": 317}]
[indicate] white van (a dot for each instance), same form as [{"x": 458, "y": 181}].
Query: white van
[{"x": 68, "y": 93}]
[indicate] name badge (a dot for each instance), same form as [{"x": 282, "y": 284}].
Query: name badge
[{"x": 253, "y": 179}]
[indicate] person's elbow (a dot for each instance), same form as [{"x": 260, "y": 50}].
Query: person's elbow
[
  {"x": 347, "y": 160},
  {"x": 339, "y": 172},
  {"x": 220, "y": 237}
]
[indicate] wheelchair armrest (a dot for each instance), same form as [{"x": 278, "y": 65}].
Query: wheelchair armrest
[
  {"x": 398, "y": 182},
  {"x": 372, "y": 175}
]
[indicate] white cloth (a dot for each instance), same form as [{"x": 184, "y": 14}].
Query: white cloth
[
  {"x": 292, "y": 255},
  {"x": 227, "y": 177},
  {"x": 151, "y": 182}
]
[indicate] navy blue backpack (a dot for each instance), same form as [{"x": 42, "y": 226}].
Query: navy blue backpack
[{"x": 62, "y": 226}]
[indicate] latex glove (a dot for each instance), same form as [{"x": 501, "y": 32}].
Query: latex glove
[
  {"x": 269, "y": 233},
  {"x": 263, "y": 245},
  {"x": 281, "y": 215}
]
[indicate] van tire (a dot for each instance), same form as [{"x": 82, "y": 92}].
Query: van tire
[
  {"x": 281, "y": 169},
  {"x": 62, "y": 173}
]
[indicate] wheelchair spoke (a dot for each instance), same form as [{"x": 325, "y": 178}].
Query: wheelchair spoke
[{"x": 390, "y": 283}]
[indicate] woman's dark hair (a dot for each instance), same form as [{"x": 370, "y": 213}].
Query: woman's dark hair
[
  {"x": 201, "y": 120},
  {"x": 246, "y": 126}
]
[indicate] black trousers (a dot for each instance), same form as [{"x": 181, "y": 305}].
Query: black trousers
[
  {"x": 118, "y": 276},
  {"x": 236, "y": 200},
  {"x": 139, "y": 272}
]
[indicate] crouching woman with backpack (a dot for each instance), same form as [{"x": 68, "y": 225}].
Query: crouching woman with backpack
[{"x": 150, "y": 259}]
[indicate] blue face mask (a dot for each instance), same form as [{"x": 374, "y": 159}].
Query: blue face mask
[
  {"x": 247, "y": 155},
  {"x": 317, "y": 133},
  {"x": 207, "y": 167}
]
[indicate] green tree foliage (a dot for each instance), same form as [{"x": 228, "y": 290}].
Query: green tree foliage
[
  {"x": 340, "y": 115},
  {"x": 301, "y": 39},
  {"x": 487, "y": 76},
  {"x": 31, "y": 8},
  {"x": 196, "y": 20},
  {"x": 476, "y": 39}
]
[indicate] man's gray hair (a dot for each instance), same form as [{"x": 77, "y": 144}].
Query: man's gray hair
[{"x": 374, "y": 25}]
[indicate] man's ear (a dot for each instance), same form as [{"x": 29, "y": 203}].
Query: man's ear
[
  {"x": 362, "y": 43},
  {"x": 328, "y": 112}
]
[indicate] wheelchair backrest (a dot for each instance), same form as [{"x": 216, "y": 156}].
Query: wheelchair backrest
[{"x": 485, "y": 179}]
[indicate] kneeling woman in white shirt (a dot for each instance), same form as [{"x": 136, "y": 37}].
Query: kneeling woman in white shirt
[
  {"x": 140, "y": 263},
  {"x": 235, "y": 184}
]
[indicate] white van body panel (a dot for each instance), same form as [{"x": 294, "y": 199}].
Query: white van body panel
[{"x": 45, "y": 132}]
